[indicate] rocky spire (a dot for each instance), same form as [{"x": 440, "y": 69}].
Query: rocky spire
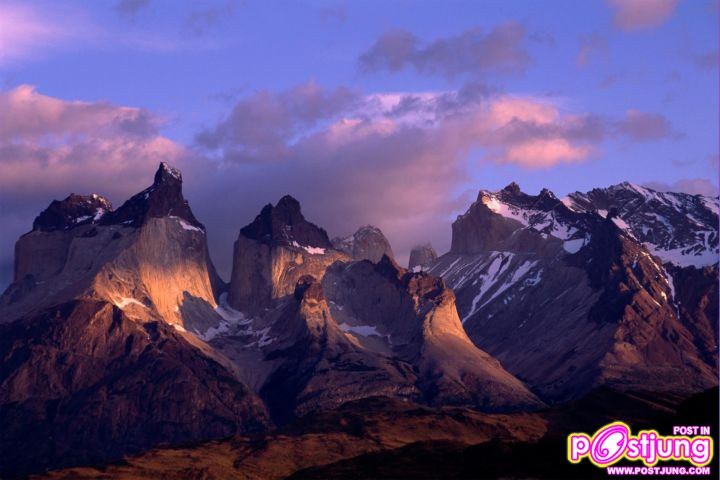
[
  {"x": 512, "y": 188},
  {"x": 162, "y": 199}
]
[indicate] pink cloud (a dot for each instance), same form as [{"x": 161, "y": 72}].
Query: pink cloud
[
  {"x": 26, "y": 114},
  {"x": 25, "y": 32},
  {"x": 51, "y": 147},
  {"x": 546, "y": 153},
  {"x": 639, "y": 14},
  {"x": 391, "y": 159},
  {"x": 55, "y": 144}
]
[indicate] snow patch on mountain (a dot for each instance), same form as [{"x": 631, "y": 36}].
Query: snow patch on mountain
[{"x": 310, "y": 250}]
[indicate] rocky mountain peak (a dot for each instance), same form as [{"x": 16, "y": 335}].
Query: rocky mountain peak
[
  {"x": 512, "y": 195},
  {"x": 367, "y": 243},
  {"x": 167, "y": 175},
  {"x": 72, "y": 211},
  {"x": 422, "y": 255},
  {"x": 546, "y": 193},
  {"x": 512, "y": 188},
  {"x": 163, "y": 198},
  {"x": 285, "y": 224}
]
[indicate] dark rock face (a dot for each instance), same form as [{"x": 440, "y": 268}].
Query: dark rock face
[
  {"x": 284, "y": 224},
  {"x": 163, "y": 198},
  {"x": 421, "y": 256},
  {"x": 73, "y": 211},
  {"x": 320, "y": 367},
  {"x": 368, "y": 243},
  {"x": 696, "y": 301},
  {"x": 569, "y": 298},
  {"x": 82, "y": 383}
]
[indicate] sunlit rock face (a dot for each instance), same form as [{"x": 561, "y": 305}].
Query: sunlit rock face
[
  {"x": 367, "y": 243},
  {"x": 315, "y": 328},
  {"x": 101, "y": 327},
  {"x": 570, "y": 295},
  {"x": 413, "y": 316},
  {"x": 149, "y": 257}
]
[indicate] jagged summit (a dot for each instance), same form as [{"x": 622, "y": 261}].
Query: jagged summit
[
  {"x": 163, "y": 198},
  {"x": 490, "y": 223},
  {"x": 557, "y": 269},
  {"x": 167, "y": 174},
  {"x": 284, "y": 223},
  {"x": 680, "y": 228},
  {"x": 72, "y": 211},
  {"x": 512, "y": 188},
  {"x": 273, "y": 252}
]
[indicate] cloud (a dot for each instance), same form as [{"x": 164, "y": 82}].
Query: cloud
[
  {"x": 269, "y": 127},
  {"x": 130, "y": 8},
  {"x": 592, "y": 47},
  {"x": 693, "y": 186},
  {"x": 333, "y": 13},
  {"x": 27, "y": 115},
  {"x": 55, "y": 145},
  {"x": 51, "y": 147},
  {"x": 641, "y": 126},
  {"x": 398, "y": 160},
  {"x": 261, "y": 124},
  {"x": 395, "y": 160},
  {"x": 474, "y": 52},
  {"x": 199, "y": 21},
  {"x": 25, "y": 32},
  {"x": 640, "y": 14}
]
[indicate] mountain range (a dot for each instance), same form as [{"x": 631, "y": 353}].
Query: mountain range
[{"x": 117, "y": 336}]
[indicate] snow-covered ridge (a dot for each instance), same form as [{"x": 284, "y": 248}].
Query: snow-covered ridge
[
  {"x": 490, "y": 276},
  {"x": 547, "y": 222},
  {"x": 680, "y": 228}
]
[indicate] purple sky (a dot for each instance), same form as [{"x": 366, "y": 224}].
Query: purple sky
[{"x": 388, "y": 113}]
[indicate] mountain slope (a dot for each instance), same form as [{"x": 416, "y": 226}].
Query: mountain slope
[
  {"x": 568, "y": 299},
  {"x": 303, "y": 352},
  {"x": 413, "y": 316},
  {"x": 96, "y": 358}
]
